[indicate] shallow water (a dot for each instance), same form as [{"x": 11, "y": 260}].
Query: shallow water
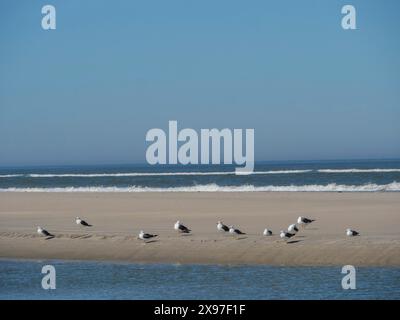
[{"x": 93, "y": 280}]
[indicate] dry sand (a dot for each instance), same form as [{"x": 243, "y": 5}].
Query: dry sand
[{"x": 118, "y": 217}]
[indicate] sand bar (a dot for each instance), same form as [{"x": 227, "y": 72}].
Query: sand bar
[{"x": 118, "y": 217}]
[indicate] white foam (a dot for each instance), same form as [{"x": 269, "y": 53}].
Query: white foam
[
  {"x": 356, "y": 170},
  {"x": 146, "y": 174},
  {"x": 203, "y": 173},
  {"x": 332, "y": 187},
  {"x": 10, "y": 175}
]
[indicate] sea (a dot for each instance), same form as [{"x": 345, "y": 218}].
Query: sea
[{"x": 294, "y": 176}]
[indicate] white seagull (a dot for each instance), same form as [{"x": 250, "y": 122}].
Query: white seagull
[
  {"x": 232, "y": 230},
  {"x": 303, "y": 221},
  {"x": 146, "y": 236},
  {"x": 293, "y": 228},
  {"x": 352, "y": 233},
  {"x": 81, "y": 222},
  {"x": 181, "y": 228},
  {"x": 44, "y": 232},
  {"x": 285, "y": 235},
  {"x": 222, "y": 227},
  {"x": 267, "y": 232}
]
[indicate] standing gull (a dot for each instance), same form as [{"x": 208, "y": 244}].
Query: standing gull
[
  {"x": 303, "y": 221},
  {"x": 81, "y": 222},
  {"x": 146, "y": 236},
  {"x": 222, "y": 227},
  {"x": 267, "y": 232},
  {"x": 293, "y": 228},
  {"x": 232, "y": 230},
  {"x": 181, "y": 228},
  {"x": 44, "y": 232},
  {"x": 352, "y": 233}
]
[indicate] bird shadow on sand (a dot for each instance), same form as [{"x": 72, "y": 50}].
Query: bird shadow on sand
[
  {"x": 240, "y": 238},
  {"x": 293, "y": 241},
  {"x": 49, "y": 238},
  {"x": 151, "y": 241}
]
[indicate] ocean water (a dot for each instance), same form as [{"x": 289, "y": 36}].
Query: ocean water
[
  {"x": 334, "y": 176},
  {"x": 93, "y": 280}
]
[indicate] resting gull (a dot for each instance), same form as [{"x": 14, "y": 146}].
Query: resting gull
[
  {"x": 267, "y": 232},
  {"x": 181, "y": 228},
  {"x": 303, "y": 221},
  {"x": 146, "y": 236},
  {"x": 222, "y": 227},
  {"x": 44, "y": 232},
  {"x": 285, "y": 235},
  {"x": 81, "y": 222},
  {"x": 293, "y": 228},
  {"x": 232, "y": 230},
  {"x": 352, "y": 233}
]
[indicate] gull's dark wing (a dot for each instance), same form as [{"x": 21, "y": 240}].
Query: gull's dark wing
[
  {"x": 47, "y": 234},
  {"x": 183, "y": 228},
  {"x": 84, "y": 223}
]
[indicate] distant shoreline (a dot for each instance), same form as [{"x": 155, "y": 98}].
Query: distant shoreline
[{"x": 118, "y": 217}]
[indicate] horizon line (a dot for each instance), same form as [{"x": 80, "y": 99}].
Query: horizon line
[{"x": 187, "y": 165}]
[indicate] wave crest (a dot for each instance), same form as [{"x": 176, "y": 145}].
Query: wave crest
[
  {"x": 200, "y": 173},
  {"x": 332, "y": 187},
  {"x": 144, "y": 174},
  {"x": 356, "y": 170}
]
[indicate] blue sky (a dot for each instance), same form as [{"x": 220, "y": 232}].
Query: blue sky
[{"x": 88, "y": 92}]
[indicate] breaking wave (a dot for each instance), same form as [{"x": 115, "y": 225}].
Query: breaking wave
[
  {"x": 203, "y": 173},
  {"x": 332, "y": 187},
  {"x": 356, "y": 170},
  {"x": 10, "y": 175},
  {"x": 144, "y": 174}
]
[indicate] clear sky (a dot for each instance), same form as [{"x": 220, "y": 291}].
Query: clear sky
[{"x": 87, "y": 92}]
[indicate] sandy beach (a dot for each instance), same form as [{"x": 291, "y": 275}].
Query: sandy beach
[{"x": 118, "y": 217}]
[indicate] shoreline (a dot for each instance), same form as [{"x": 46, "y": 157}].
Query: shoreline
[
  {"x": 118, "y": 217},
  {"x": 228, "y": 265}
]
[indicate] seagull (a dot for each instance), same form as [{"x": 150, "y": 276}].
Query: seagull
[
  {"x": 44, "y": 232},
  {"x": 285, "y": 235},
  {"x": 82, "y": 222},
  {"x": 351, "y": 233},
  {"x": 146, "y": 236},
  {"x": 293, "y": 228},
  {"x": 222, "y": 227},
  {"x": 303, "y": 221},
  {"x": 267, "y": 232},
  {"x": 181, "y": 228},
  {"x": 235, "y": 231}
]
